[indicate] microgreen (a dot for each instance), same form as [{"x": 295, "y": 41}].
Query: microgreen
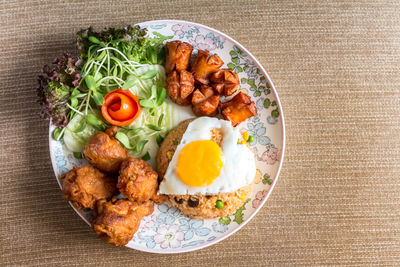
[
  {"x": 57, "y": 134},
  {"x": 94, "y": 121},
  {"x": 130, "y": 83},
  {"x": 78, "y": 155},
  {"x": 140, "y": 145},
  {"x": 160, "y": 119},
  {"x": 74, "y": 102},
  {"x": 153, "y": 127},
  {"x": 135, "y": 131},
  {"x": 159, "y": 139},
  {"x": 80, "y": 127},
  {"x": 123, "y": 139},
  {"x": 90, "y": 82},
  {"x": 161, "y": 94},
  {"x": 153, "y": 92},
  {"x": 149, "y": 74},
  {"x": 146, "y": 103},
  {"x": 146, "y": 156},
  {"x": 98, "y": 98},
  {"x": 94, "y": 39}
]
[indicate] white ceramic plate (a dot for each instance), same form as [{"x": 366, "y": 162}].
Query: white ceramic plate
[{"x": 167, "y": 230}]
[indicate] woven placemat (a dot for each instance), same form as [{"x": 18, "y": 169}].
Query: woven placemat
[{"x": 336, "y": 67}]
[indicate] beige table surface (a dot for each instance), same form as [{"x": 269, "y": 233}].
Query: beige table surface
[{"x": 336, "y": 67}]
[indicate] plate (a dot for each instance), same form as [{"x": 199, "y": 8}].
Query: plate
[{"x": 167, "y": 230}]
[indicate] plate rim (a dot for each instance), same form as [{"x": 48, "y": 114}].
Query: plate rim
[{"x": 283, "y": 138}]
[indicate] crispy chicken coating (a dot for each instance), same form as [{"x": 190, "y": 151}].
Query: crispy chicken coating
[
  {"x": 204, "y": 65},
  {"x": 238, "y": 109},
  {"x": 205, "y": 102},
  {"x": 112, "y": 131},
  {"x": 105, "y": 152},
  {"x": 180, "y": 87},
  {"x": 117, "y": 221},
  {"x": 137, "y": 180},
  {"x": 225, "y": 82},
  {"x": 85, "y": 185},
  {"x": 178, "y": 56}
]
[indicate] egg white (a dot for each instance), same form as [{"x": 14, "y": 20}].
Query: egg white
[{"x": 238, "y": 168}]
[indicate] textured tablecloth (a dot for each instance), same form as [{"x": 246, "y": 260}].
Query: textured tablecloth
[{"x": 336, "y": 67}]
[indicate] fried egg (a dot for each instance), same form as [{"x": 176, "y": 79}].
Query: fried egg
[{"x": 201, "y": 166}]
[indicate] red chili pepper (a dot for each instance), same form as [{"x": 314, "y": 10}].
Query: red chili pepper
[{"x": 120, "y": 107}]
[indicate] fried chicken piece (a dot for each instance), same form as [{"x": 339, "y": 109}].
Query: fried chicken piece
[
  {"x": 238, "y": 109},
  {"x": 180, "y": 87},
  {"x": 85, "y": 185},
  {"x": 137, "y": 180},
  {"x": 117, "y": 221},
  {"x": 225, "y": 82},
  {"x": 104, "y": 152},
  {"x": 112, "y": 131},
  {"x": 205, "y": 102},
  {"x": 160, "y": 199},
  {"x": 204, "y": 65},
  {"x": 178, "y": 56}
]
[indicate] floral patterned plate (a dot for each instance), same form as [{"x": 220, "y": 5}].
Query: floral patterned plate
[{"x": 167, "y": 230}]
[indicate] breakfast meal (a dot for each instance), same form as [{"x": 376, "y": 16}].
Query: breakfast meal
[{"x": 155, "y": 123}]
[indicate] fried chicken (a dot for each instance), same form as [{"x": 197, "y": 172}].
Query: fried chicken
[
  {"x": 117, "y": 221},
  {"x": 105, "y": 152},
  {"x": 85, "y": 185},
  {"x": 137, "y": 180}
]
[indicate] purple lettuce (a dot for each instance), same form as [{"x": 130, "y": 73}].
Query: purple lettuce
[{"x": 55, "y": 87}]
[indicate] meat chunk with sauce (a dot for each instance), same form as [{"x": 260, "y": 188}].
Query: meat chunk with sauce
[
  {"x": 85, "y": 185},
  {"x": 205, "y": 101},
  {"x": 238, "y": 109},
  {"x": 180, "y": 86},
  {"x": 178, "y": 56},
  {"x": 137, "y": 180},
  {"x": 104, "y": 152},
  {"x": 204, "y": 65},
  {"x": 225, "y": 82},
  {"x": 117, "y": 221}
]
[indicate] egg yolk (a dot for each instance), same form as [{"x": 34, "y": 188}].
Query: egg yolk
[{"x": 199, "y": 163}]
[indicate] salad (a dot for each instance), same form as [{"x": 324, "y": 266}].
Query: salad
[{"x": 117, "y": 79}]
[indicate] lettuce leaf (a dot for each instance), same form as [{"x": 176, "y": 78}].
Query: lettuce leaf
[
  {"x": 56, "y": 85},
  {"x": 77, "y": 133}
]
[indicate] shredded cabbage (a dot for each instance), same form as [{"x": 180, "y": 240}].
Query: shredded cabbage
[
  {"x": 77, "y": 141},
  {"x": 143, "y": 87}
]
